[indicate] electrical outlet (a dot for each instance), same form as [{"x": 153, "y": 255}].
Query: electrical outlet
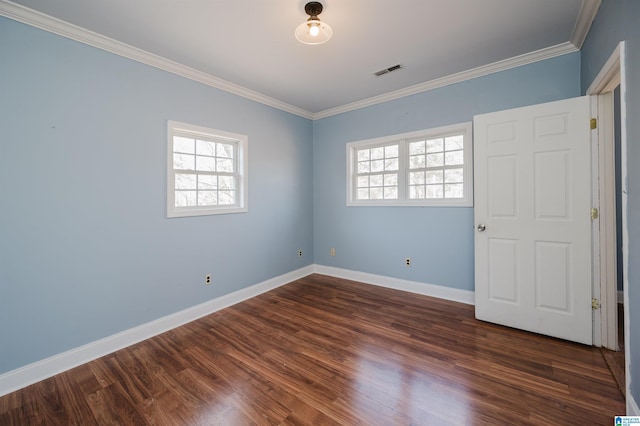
[
  {"x": 332, "y": 252},
  {"x": 207, "y": 279},
  {"x": 299, "y": 253},
  {"x": 407, "y": 261}
]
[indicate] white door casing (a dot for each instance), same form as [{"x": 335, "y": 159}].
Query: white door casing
[
  {"x": 533, "y": 194},
  {"x": 605, "y": 253}
]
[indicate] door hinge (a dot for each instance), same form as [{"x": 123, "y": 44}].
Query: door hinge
[
  {"x": 594, "y": 213},
  {"x": 593, "y": 123},
  {"x": 595, "y": 304}
]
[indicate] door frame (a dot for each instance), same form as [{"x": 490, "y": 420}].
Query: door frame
[{"x": 610, "y": 76}]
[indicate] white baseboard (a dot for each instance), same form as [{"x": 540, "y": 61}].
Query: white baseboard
[
  {"x": 433, "y": 290},
  {"x": 632, "y": 406},
  {"x": 43, "y": 369}
]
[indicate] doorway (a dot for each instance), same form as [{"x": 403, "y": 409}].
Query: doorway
[{"x": 611, "y": 250}]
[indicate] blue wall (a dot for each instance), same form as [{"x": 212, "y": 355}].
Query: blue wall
[
  {"x": 619, "y": 20},
  {"x": 86, "y": 250},
  {"x": 439, "y": 240}
]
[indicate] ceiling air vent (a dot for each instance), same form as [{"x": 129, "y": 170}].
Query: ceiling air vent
[{"x": 387, "y": 70}]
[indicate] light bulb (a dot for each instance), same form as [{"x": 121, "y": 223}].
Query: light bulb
[
  {"x": 314, "y": 30},
  {"x": 311, "y": 31}
]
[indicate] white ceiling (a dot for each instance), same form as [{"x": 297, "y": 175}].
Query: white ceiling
[{"x": 250, "y": 43}]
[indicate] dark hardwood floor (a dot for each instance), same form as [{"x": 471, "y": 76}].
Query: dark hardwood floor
[
  {"x": 615, "y": 359},
  {"x": 323, "y": 350}
]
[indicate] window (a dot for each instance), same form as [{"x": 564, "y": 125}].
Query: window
[
  {"x": 377, "y": 171},
  {"x": 427, "y": 168},
  {"x": 206, "y": 171}
]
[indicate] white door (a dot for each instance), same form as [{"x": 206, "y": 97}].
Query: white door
[{"x": 532, "y": 218}]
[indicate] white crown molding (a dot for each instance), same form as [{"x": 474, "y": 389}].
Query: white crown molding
[
  {"x": 432, "y": 290},
  {"x": 517, "y": 61},
  {"x": 56, "y": 26},
  {"x": 43, "y": 369},
  {"x": 587, "y": 14},
  {"x": 39, "y": 20}
]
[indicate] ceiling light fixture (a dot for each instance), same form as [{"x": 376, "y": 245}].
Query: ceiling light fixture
[{"x": 313, "y": 31}]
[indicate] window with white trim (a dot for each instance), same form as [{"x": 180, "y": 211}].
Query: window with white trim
[
  {"x": 206, "y": 171},
  {"x": 377, "y": 172},
  {"x": 426, "y": 168}
]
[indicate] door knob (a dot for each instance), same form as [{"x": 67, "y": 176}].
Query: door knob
[{"x": 482, "y": 227}]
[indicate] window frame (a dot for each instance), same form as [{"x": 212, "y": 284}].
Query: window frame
[
  {"x": 176, "y": 128},
  {"x": 403, "y": 140}
]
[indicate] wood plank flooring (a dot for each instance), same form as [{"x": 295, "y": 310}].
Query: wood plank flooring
[
  {"x": 322, "y": 351},
  {"x": 615, "y": 359}
]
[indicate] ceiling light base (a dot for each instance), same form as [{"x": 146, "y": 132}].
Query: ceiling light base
[{"x": 313, "y": 8}]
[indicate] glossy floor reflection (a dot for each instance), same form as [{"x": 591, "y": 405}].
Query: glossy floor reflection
[{"x": 323, "y": 350}]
